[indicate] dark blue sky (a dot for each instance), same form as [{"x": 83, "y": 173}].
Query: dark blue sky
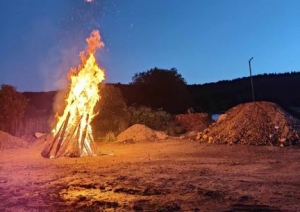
[{"x": 206, "y": 40}]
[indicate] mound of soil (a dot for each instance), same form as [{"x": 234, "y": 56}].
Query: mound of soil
[
  {"x": 194, "y": 121},
  {"x": 30, "y": 138},
  {"x": 8, "y": 141},
  {"x": 257, "y": 123},
  {"x": 140, "y": 132}
]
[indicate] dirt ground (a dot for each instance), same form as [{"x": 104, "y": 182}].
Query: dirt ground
[{"x": 168, "y": 175}]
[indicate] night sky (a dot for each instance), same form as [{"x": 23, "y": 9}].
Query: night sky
[{"x": 206, "y": 40}]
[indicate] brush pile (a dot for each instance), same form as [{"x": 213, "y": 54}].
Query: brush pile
[{"x": 194, "y": 121}]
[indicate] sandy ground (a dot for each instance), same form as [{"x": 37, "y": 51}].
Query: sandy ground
[{"x": 170, "y": 175}]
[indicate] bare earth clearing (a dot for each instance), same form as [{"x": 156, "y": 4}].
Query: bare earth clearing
[{"x": 169, "y": 175}]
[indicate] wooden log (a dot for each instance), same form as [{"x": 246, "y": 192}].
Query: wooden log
[
  {"x": 73, "y": 147},
  {"x": 93, "y": 145},
  {"x": 61, "y": 137},
  {"x": 83, "y": 137},
  {"x": 68, "y": 141},
  {"x": 47, "y": 150}
]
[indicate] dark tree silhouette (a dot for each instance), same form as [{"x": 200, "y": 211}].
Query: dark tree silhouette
[
  {"x": 12, "y": 107},
  {"x": 161, "y": 89},
  {"x": 112, "y": 111}
]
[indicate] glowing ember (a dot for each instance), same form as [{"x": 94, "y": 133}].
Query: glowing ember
[{"x": 73, "y": 132}]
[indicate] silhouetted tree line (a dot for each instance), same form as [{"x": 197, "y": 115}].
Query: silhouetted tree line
[
  {"x": 159, "y": 89},
  {"x": 40, "y": 103},
  {"x": 12, "y": 107},
  {"x": 283, "y": 89}
]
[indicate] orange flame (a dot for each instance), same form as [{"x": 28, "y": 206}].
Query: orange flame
[{"x": 82, "y": 97}]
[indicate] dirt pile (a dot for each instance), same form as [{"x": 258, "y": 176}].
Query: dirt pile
[
  {"x": 30, "y": 138},
  {"x": 140, "y": 132},
  {"x": 258, "y": 123},
  {"x": 194, "y": 121},
  {"x": 8, "y": 141}
]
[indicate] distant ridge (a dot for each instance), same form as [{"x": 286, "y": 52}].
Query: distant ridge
[
  {"x": 283, "y": 89},
  {"x": 214, "y": 97}
]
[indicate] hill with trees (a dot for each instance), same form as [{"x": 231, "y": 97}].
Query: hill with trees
[
  {"x": 283, "y": 89},
  {"x": 12, "y": 108},
  {"x": 150, "y": 94}
]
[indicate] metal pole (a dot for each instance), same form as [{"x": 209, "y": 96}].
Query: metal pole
[{"x": 251, "y": 79}]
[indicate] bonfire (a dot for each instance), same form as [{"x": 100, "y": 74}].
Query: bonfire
[{"x": 72, "y": 133}]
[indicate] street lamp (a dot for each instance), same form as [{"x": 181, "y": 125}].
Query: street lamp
[{"x": 251, "y": 79}]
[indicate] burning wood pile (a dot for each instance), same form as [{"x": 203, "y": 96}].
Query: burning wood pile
[{"x": 73, "y": 133}]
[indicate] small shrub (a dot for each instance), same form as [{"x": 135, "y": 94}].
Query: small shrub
[
  {"x": 175, "y": 129},
  {"x": 112, "y": 112},
  {"x": 109, "y": 137},
  {"x": 155, "y": 119}
]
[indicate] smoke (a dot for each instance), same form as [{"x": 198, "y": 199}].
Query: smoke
[
  {"x": 78, "y": 21},
  {"x": 54, "y": 71},
  {"x": 66, "y": 37}
]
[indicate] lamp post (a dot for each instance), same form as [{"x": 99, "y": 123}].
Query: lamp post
[{"x": 251, "y": 79}]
